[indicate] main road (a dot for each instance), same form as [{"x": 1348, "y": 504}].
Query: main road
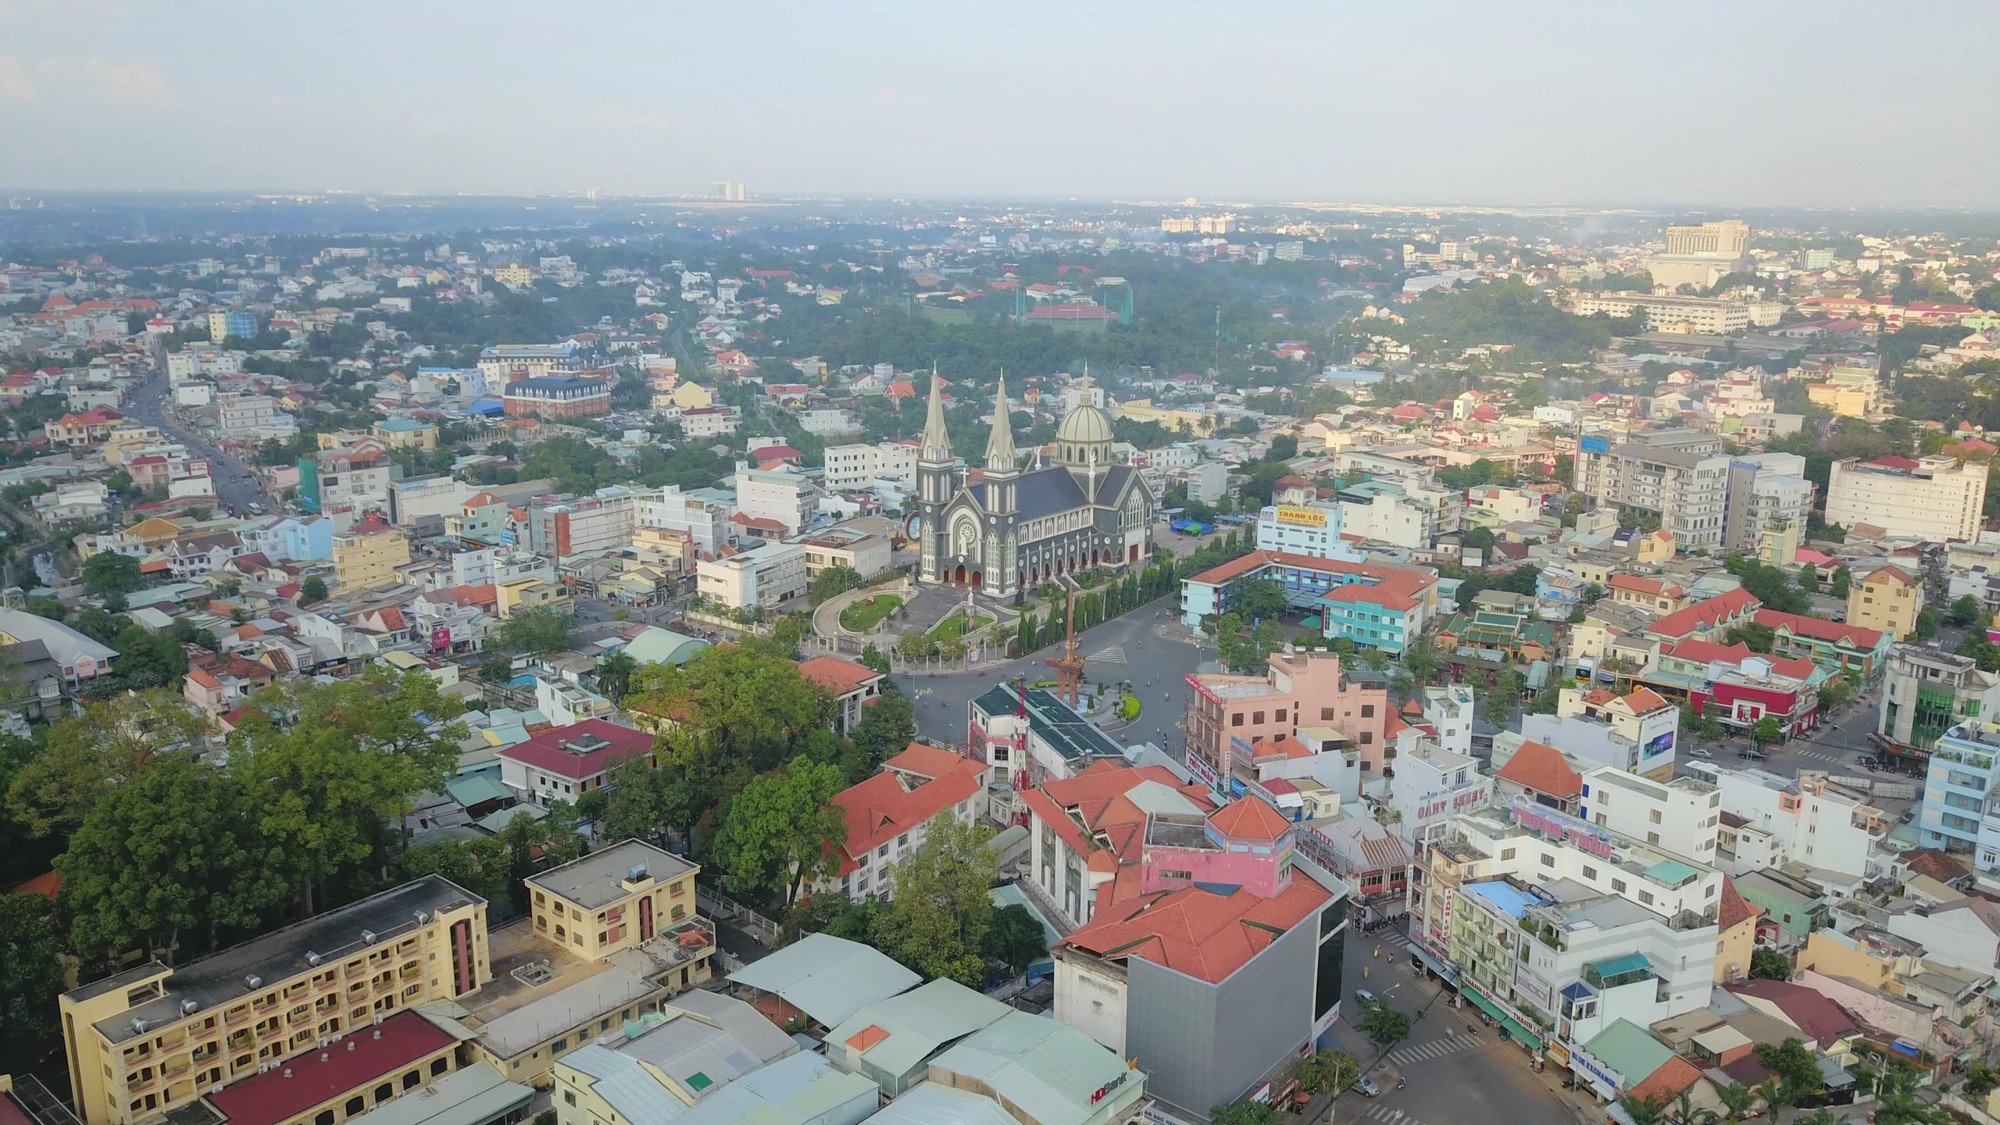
[{"x": 237, "y": 486}]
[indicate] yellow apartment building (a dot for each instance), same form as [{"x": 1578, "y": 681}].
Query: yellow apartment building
[
  {"x": 1888, "y": 599},
  {"x": 153, "y": 1039},
  {"x": 529, "y": 593},
  {"x": 614, "y": 900},
  {"x": 370, "y": 554}
]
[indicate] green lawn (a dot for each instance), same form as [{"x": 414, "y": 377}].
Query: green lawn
[
  {"x": 865, "y": 615},
  {"x": 958, "y": 625}
]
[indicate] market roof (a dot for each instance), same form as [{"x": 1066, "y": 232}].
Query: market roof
[
  {"x": 931, "y": 1103},
  {"x": 1048, "y": 1070},
  {"x": 794, "y": 1090},
  {"x": 826, "y": 977},
  {"x": 896, "y": 1034}
]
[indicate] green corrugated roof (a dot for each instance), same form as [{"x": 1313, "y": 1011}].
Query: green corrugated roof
[{"x": 1626, "y": 1048}]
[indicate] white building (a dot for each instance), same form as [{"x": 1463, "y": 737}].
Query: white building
[
  {"x": 703, "y": 513},
  {"x": 764, "y": 575},
  {"x": 1767, "y": 491},
  {"x": 789, "y": 498},
  {"x": 1681, "y": 475},
  {"x": 1208, "y": 482},
  {"x": 1304, "y": 529},
  {"x": 852, "y": 467},
  {"x": 1683, "y": 815},
  {"x": 1634, "y": 732},
  {"x": 1432, "y": 785},
  {"x": 1771, "y": 821},
  {"x": 1934, "y": 499}
]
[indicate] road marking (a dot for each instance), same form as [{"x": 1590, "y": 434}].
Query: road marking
[
  {"x": 1113, "y": 655},
  {"x": 1435, "y": 1049}
]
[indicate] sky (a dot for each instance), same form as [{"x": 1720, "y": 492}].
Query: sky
[{"x": 1504, "y": 102}]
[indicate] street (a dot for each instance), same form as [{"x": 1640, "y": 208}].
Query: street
[
  {"x": 1456, "y": 1069},
  {"x": 1145, "y": 646},
  {"x": 236, "y": 485}
]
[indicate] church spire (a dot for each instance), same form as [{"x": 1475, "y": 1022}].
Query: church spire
[
  {"x": 1000, "y": 453},
  {"x": 936, "y": 447}
]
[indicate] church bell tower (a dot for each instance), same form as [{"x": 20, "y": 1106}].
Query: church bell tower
[
  {"x": 1003, "y": 482},
  {"x": 935, "y": 482}
]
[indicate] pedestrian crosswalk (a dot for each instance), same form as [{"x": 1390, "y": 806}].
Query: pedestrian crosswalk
[
  {"x": 1436, "y": 1049},
  {"x": 1115, "y": 654},
  {"x": 1389, "y": 1115}
]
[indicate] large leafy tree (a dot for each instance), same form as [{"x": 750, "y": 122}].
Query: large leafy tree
[
  {"x": 107, "y": 573},
  {"x": 887, "y": 726},
  {"x": 480, "y": 866},
  {"x": 748, "y": 704},
  {"x": 783, "y": 830},
  {"x": 1015, "y": 939},
  {"x": 1329, "y": 1071},
  {"x": 172, "y": 854},
  {"x": 614, "y": 675},
  {"x": 31, "y": 977},
  {"x": 939, "y": 914},
  {"x": 86, "y": 755},
  {"x": 1384, "y": 1024},
  {"x": 333, "y": 768},
  {"x": 540, "y": 629}
]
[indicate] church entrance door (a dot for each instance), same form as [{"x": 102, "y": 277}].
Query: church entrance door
[{"x": 958, "y": 576}]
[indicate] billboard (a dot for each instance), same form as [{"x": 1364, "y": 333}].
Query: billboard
[
  {"x": 1301, "y": 516},
  {"x": 1596, "y": 445}
]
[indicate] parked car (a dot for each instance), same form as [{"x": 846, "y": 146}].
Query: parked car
[
  {"x": 1700, "y": 752},
  {"x": 1366, "y": 1087}
]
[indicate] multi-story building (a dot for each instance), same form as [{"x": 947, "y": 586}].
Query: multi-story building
[
  {"x": 789, "y": 498},
  {"x": 1888, "y": 599},
  {"x": 223, "y": 325},
  {"x": 1927, "y": 692},
  {"x": 1029, "y": 735},
  {"x": 850, "y": 467},
  {"x": 1767, "y": 493},
  {"x": 865, "y": 554},
  {"x": 1229, "y": 716},
  {"x": 502, "y": 363},
  {"x": 405, "y": 433},
  {"x": 1959, "y": 785},
  {"x": 1432, "y": 786},
  {"x": 1220, "y": 956},
  {"x": 1935, "y": 498},
  {"x": 249, "y": 417},
  {"x": 616, "y": 899},
  {"x": 1682, "y": 475},
  {"x": 890, "y": 814},
  {"x": 1374, "y": 605},
  {"x": 1311, "y": 529},
  {"x": 1705, "y": 316},
  {"x": 1770, "y": 821},
  {"x": 853, "y": 687},
  {"x": 1679, "y": 814},
  {"x": 156, "y": 1039},
  {"x": 597, "y": 523},
  {"x": 703, "y": 513},
  {"x": 369, "y": 554},
  {"x": 481, "y": 518},
  {"x": 766, "y": 574},
  {"x": 1635, "y": 731},
  {"x": 1841, "y": 648},
  {"x": 1736, "y": 687},
  {"x": 1701, "y": 255},
  {"x": 557, "y": 396},
  {"x": 708, "y": 422},
  {"x": 1558, "y": 927},
  {"x": 343, "y": 483}
]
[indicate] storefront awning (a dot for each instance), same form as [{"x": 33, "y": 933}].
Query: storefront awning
[
  {"x": 1435, "y": 964},
  {"x": 1514, "y": 1027}
]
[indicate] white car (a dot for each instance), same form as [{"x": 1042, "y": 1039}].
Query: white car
[{"x": 1701, "y": 752}]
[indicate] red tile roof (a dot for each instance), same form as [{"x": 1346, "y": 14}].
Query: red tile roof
[
  {"x": 1666, "y": 1083},
  {"x": 1734, "y": 907},
  {"x": 365, "y": 1057},
  {"x": 1542, "y": 768},
  {"x": 570, "y": 751},
  {"x": 48, "y": 884},
  {"x": 880, "y": 809},
  {"x": 1094, "y": 818},
  {"x": 1702, "y": 616},
  {"x": 836, "y": 675},
  {"x": 1819, "y": 629},
  {"x": 1711, "y": 652},
  {"x": 1198, "y": 932},
  {"x": 1890, "y": 573},
  {"x": 1393, "y": 587},
  {"x": 1249, "y": 818},
  {"x": 1820, "y": 1018}
]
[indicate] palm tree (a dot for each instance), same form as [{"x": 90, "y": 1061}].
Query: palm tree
[
  {"x": 1644, "y": 1111},
  {"x": 1737, "y": 1101},
  {"x": 1776, "y": 1094},
  {"x": 1686, "y": 1114},
  {"x": 1897, "y": 1102}
]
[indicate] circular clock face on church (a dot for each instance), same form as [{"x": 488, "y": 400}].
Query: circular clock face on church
[{"x": 914, "y": 527}]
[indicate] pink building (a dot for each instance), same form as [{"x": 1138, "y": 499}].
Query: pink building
[
  {"x": 1244, "y": 844},
  {"x": 1229, "y": 716}
]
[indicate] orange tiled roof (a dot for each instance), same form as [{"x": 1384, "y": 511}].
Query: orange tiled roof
[
  {"x": 836, "y": 675},
  {"x": 880, "y": 809},
  {"x": 1198, "y": 932},
  {"x": 1249, "y": 819},
  {"x": 1734, "y": 907},
  {"x": 1541, "y": 767}
]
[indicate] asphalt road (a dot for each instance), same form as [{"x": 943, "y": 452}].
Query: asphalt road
[
  {"x": 236, "y": 485},
  {"x": 1456, "y": 1069},
  {"x": 1145, "y": 646}
]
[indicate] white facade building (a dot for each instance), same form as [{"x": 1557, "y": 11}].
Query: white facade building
[
  {"x": 1810, "y": 821},
  {"x": 1934, "y": 499},
  {"x": 788, "y": 498},
  {"x": 851, "y": 467},
  {"x": 764, "y": 575}
]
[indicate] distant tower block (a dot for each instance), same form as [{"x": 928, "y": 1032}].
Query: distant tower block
[{"x": 593, "y": 193}]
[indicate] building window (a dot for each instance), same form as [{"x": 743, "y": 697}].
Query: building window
[
  {"x": 1367, "y": 710},
  {"x": 1548, "y": 860},
  {"x": 1257, "y": 717},
  {"x": 1236, "y": 719},
  {"x": 355, "y": 1106},
  {"x": 1618, "y": 886},
  {"x": 439, "y": 1066}
]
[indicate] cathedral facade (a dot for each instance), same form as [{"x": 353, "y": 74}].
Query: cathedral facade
[{"x": 1004, "y": 530}]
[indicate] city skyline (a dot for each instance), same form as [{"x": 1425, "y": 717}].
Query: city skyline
[{"x": 1415, "y": 104}]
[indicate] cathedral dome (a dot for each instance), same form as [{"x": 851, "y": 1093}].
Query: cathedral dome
[{"x": 1088, "y": 423}]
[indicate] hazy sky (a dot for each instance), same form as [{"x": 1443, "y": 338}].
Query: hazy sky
[{"x": 1505, "y": 101}]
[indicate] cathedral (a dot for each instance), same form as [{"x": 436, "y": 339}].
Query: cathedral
[{"x": 1001, "y": 530}]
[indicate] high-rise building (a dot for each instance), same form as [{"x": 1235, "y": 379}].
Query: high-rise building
[
  {"x": 1934, "y": 498},
  {"x": 1727, "y": 238},
  {"x": 1927, "y": 692},
  {"x": 222, "y": 325},
  {"x": 1682, "y": 475}
]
